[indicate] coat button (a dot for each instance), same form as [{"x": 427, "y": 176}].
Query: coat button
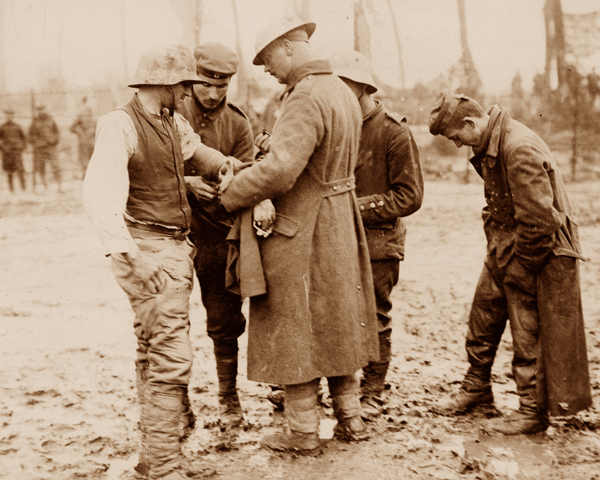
[
  {"x": 335, "y": 187},
  {"x": 362, "y": 324},
  {"x": 361, "y": 208},
  {"x": 203, "y": 125},
  {"x": 372, "y": 205},
  {"x": 348, "y": 184},
  {"x": 358, "y": 287},
  {"x": 380, "y": 203}
]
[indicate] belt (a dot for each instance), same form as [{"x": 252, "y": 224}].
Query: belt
[
  {"x": 177, "y": 233},
  {"x": 338, "y": 187}
]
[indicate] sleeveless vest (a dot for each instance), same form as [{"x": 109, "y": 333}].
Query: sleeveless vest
[{"x": 157, "y": 192}]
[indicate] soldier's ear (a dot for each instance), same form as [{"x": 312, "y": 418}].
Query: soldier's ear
[{"x": 470, "y": 122}]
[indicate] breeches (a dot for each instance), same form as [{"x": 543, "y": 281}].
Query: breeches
[
  {"x": 494, "y": 303},
  {"x": 224, "y": 318},
  {"x": 162, "y": 324}
]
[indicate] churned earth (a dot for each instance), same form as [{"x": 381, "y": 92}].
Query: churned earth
[{"x": 67, "y": 400}]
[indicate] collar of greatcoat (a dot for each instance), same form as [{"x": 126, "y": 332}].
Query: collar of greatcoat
[
  {"x": 490, "y": 144},
  {"x": 315, "y": 67}
]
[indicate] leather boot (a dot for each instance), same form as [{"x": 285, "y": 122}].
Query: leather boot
[
  {"x": 522, "y": 421},
  {"x": 302, "y": 435},
  {"x": 302, "y": 443},
  {"x": 230, "y": 409},
  {"x": 373, "y": 381},
  {"x": 373, "y": 384},
  {"x": 475, "y": 390}
]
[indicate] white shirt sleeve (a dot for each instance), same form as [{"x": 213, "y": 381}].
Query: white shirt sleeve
[
  {"x": 190, "y": 140},
  {"x": 106, "y": 183}
]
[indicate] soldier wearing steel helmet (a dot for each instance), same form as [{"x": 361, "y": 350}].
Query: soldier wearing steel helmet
[
  {"x": 317, "y": 318},
  {"x": 225, "y": 127},
  {"x": 135, "y": 195},
  {"x": 389, "y": 186}
]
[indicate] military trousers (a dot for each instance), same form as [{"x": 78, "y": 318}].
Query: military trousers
[
  {"x": 497, "y": 301},
  {"x": 385, "y": 278},
  {"x": 162, "y": 322},
  {"x": 224, "y": 319}
]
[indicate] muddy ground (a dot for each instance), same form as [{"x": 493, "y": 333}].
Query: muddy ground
[{"x": 67, "y": 401}]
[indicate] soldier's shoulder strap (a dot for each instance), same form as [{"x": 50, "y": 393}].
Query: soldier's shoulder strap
[
  {"x": 396, "y": 117},
  {"x": 237, "y": 109}
]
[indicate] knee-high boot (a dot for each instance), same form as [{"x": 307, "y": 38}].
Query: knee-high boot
[{"x": 226, "y": 356}]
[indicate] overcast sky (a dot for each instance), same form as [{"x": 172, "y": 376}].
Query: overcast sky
[{"x": 505, "y": 36}]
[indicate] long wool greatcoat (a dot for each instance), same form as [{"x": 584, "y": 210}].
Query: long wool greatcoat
[{"x": 317, "y": 318}]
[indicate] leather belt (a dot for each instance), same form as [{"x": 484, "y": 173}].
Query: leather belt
[{"x": 177, "y": 233}]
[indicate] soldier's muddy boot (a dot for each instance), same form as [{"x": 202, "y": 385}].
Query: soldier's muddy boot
[
  {"x": 297, "y": 442},
  {"x": 474, "y": 391},
  {"x": 347, "y": 409},
  {"x": 523, "y": 421},
  {"x": 372, "y": 387},
  {"x": 302, "y": 434},
  {"x": 373, "y": 380},
  {"x": 230, "y": 409}
]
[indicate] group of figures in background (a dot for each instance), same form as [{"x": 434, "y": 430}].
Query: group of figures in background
[{"x": 43, "y": 136}]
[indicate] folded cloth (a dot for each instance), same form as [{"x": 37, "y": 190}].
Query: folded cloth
[{"x": 244, "y": 275}]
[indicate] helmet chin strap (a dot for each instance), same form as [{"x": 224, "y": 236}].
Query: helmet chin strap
[{"x": 172, "y": 106}]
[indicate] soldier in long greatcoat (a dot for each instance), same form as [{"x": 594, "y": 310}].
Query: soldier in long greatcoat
[{"x": 317, "y": 318}]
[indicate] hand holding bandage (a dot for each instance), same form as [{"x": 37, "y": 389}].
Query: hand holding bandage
[{"x": 264, "y": 218}]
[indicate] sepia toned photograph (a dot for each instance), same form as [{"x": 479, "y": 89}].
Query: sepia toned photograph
[{"x": 300, "y": 239}]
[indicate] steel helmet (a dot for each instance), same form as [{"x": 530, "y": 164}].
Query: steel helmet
[
  {"x": 278, "y": 28},
  {"x": 165, "y": 65},
  {"x": 354, "y": 66}
]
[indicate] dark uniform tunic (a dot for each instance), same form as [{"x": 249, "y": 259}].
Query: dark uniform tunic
[
  {"x": 530, "y": 274},
  {"x": 226, "y": 129},
  {"x": 389, "y": 185}
]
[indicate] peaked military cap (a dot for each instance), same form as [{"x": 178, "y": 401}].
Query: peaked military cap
[{"x": 215, "y": 60}]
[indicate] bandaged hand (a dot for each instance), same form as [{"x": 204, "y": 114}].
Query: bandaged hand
[{"x": 264, "y": 217}]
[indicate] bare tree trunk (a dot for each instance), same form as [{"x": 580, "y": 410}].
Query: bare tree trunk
[
  {"x": 2, "y": 64},
  {"x": 398, "y": 43},
  {"x": 362, "y": 31},
  {"x": 559, "y": 40},
  {"x": 191, "y": 13},
  {"x": 549, "y": 26},
  {"x": 473, "y": 81},
  {"x": 242, "y": 74},
  {"x": 302, "y": 8},
  {"x": 124, "y": 44}
]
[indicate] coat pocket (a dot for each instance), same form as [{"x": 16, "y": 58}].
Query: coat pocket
[{"x": 286, "y": 226}]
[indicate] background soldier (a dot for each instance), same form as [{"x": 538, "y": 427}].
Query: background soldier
[
  {"x": 12, "y": 144},
  {"x": 222, "y": 126},
  {"x": 389, "y": 185},
  {"x": 43, "y": 137},
  {"x": 85, "y": 129},
  {"x": 530, "y": 272},
  {"x": 317, "y": 318},
  {"x": 135, "y": 194}
]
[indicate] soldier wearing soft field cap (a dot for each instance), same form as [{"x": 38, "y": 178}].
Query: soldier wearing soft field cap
[
  {"x": 223, "y": 126},
  {"x": 317, "y": 318},
  {"x": 530, "y": 276}
]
